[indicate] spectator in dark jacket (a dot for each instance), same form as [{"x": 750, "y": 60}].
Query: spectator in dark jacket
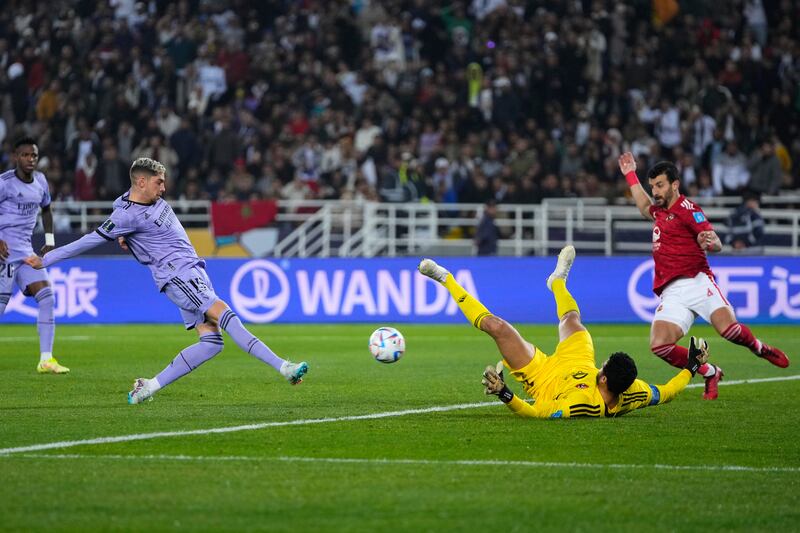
[
  {"x": 224, "y": 148},
  {"x": 488, "y": 233},
  {"x": 185, "y": 143},
  {"x": 112, "y": 174},
  {"x": 745, "y": 225},
  {"x": 766, "y": 174}
]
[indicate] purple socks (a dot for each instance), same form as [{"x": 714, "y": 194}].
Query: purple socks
[
  {"x": 211, "y": 344},
  {"x": 246, "y": 341},
  {"x": 190, "y": 358},
  {"x": 45, "y": 324}
]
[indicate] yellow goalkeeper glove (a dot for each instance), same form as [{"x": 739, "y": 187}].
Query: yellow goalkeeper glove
[
  {"x": 698, "y": 354},
  {"x": 493, "y": 381}
]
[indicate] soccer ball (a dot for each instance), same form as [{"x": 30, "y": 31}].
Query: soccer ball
[{"x": 387, "y": 345}]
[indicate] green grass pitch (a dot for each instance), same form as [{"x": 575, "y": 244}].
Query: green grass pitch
[{"x": 690, "y": 465}]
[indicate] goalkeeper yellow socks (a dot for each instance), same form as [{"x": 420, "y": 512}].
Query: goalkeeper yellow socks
[
  {"x": 473, "y": 309},
  {"x": 564, "y": 300}
]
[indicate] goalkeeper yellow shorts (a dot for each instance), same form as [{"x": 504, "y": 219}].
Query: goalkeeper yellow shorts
[{"x": 575, "y": 351}]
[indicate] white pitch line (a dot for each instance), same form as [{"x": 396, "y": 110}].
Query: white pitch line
[
  {"x": 747, "y": 381},
  {"x": 301, "y": 422},
  {"x": 246, "y": 427},
  {"x": 427, "y": 462},
  {"x": 60, "y": 338}
]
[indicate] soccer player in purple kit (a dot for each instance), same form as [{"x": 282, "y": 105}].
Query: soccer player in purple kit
[
  {"x": 156, "y": 238},
  {"x": 23, "y": 191}
]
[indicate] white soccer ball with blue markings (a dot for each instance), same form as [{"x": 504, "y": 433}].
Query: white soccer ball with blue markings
[{"x": 387, "y": 345}]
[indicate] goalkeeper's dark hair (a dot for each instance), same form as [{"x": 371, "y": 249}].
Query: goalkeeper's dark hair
[
  {"x": 666, "y": 168},
  {"x": 22, "y": 141},
  {"x": 620, "y": 371}
]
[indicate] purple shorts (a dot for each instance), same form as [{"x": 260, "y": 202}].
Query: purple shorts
[
  {"x": 20, "y": 273},
  {"x": 193, "y": 293}
]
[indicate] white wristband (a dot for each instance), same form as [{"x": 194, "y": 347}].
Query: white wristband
[{"x": 49, "y": 239}]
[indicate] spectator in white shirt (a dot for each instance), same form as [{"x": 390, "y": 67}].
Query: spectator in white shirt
[
  {"x": 730, "y": 174},
  {"x": 702, "y": 131}
]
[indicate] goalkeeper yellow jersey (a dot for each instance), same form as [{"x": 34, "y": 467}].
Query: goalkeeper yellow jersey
[
  {"x": 576, "y": 394},
  {"x": 564, "y": 385}
]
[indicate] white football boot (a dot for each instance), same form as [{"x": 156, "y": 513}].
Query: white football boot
[
  {"x": 565, "y": 259},
  {"x": 141, "y": 392},
  {"x": 294, "y": 372},
  {"x": 428, "y": 267}
]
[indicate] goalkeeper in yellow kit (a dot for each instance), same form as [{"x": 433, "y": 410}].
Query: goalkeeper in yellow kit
[{"x": 567, "y": 383}]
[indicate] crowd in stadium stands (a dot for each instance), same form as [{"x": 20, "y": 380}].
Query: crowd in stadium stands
[{"x": 403, "y": 100}]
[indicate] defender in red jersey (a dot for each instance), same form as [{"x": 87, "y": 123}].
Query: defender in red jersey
[{"x": 683, "y": 279}]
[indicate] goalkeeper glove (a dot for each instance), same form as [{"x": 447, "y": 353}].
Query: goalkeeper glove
[
  {"x": 493, "y": 381},
  {"x": 698, "y": 354}
]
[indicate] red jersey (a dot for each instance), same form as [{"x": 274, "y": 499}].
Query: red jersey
[{"x": 675, "y": 249}]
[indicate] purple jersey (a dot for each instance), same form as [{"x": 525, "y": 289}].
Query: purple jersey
[
  {"x": 154, "y": 235},
  {"x": 19, "y": 209}
]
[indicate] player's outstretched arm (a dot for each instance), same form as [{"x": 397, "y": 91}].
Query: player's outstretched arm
[
  {"x": 494, "y": 384},
  {"x": 85, "y": 243},
  {"x": 627, "y": 165}
]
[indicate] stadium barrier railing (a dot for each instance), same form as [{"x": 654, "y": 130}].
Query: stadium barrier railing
[{"x": 324, "y": 228}]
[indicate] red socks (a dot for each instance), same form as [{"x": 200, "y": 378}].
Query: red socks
[
  {"x": 673, "y": 354},
  {"x": 740, "y": 334},
  {"x": 678, "y": 356}
]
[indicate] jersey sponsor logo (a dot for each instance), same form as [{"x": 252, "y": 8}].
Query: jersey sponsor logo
[
  {"x": 108, "y": 225},
  {"x": 260, "y": 291},
  {"x": 164, "y": 216},
  {"x": 699, "y": 217},
  {"x": 710, "y": 293},
  {"x": 28, "y": 208}
]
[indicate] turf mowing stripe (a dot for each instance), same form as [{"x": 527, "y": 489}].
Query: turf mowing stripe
[
  {"x": 301, "y": 422},
  {"x": 432, "y": 462}
]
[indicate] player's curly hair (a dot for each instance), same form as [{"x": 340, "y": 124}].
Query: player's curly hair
[
  {"x": 22, "y": 141},
  {"x": 145, "y": 165},
  {"x": 666, "y": 168},
  {"x": 620, "y": 371}
]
